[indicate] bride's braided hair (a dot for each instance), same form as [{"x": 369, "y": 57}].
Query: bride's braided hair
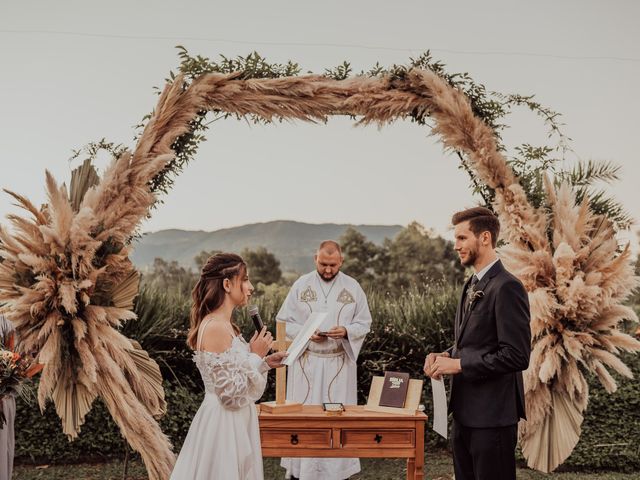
[{"x": 208, "y": 293}]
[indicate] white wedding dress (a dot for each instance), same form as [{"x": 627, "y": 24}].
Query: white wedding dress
[{"x": 223, "y": 442}]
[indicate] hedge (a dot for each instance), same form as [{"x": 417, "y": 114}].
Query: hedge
[{"x": 404, "y": 329}]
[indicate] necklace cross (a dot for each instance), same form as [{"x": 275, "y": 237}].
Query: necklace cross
[{"x": 326, "y": 295}]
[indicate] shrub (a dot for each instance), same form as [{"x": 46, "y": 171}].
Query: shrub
[{"x": 404, "y": 329}]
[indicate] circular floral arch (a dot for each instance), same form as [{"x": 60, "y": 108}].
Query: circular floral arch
[{"x": 68, "y": 282}]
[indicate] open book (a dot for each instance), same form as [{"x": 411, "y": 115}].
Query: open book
[{"x": 299, "y": 343}]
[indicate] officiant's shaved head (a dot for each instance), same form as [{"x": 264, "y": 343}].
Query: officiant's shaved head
[
  {"x": 328, "y": 260},
  {"x": 329, "y": 247}
]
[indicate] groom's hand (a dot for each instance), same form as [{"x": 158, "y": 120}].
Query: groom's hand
[
  {"x": 443, "y": 365},
  {"x": 429, "y": 362}
]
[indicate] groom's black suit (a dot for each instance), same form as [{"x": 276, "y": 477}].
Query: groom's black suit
[{"x": 493, "y": 343}]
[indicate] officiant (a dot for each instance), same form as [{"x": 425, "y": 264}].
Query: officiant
[{"x": 326, "y": 371}]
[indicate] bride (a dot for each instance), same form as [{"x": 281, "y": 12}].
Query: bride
[{"x": 224, "y": 438}]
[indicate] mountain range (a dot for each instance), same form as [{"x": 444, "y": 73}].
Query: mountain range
[{"x": 293, "y": 243}]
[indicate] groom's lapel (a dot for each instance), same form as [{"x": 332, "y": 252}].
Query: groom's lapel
[
  {"x": 480, "y": 286},
  {"x": 458, "y": 321}
]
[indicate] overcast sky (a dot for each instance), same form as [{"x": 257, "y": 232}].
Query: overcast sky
[{"x": 74, "y": 72}]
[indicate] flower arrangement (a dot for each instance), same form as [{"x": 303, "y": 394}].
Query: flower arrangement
[{"x": 15, "y": 370}]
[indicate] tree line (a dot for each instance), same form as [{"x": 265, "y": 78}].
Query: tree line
[{"x": 415, "y": 258}]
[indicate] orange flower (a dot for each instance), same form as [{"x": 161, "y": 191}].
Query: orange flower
[
  {"x": 34, "y": 369},
  {"x": 16, "y": 357}
]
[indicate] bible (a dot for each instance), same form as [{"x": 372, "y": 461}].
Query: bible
[{"x": 394, "y": 389}]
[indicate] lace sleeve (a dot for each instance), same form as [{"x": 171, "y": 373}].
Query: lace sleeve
[{"x": 238, "y": 378}]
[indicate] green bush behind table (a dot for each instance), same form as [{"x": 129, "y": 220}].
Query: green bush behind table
[{"x": 405, "y": 328}]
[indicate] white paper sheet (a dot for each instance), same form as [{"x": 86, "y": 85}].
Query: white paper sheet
[
  {"x": 300, "y": 342},
  {"x": 440, "y": 414}
]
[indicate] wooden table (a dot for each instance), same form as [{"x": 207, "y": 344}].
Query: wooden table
[{"x": 355, "y": 433}]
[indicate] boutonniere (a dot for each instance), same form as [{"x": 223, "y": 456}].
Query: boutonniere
[{"x": 475, "y": 295}]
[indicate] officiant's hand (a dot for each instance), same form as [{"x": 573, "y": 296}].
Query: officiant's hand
[
  {"x": 275, "y": 359},
  {"x": 337, "y": 332},
  {"x": 318, "y": 338}
]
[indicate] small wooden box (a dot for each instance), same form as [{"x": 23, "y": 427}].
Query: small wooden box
[{"x": 286, "y": 407}]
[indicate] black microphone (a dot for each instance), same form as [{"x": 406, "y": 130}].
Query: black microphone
[{"x": 255, "y": 317}]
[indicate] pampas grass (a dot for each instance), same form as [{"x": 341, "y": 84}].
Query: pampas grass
[
  {"x": 568, "y": 259},
  {"x": 68, "y": 284}
]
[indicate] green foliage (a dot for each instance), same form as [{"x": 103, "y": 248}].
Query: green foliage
[
  {"x": 405, "y": 328},
  {"x": 263, "y": 266},
  {"x": 341, "y": 72},
  {"x": 160, "y": 326},
  {"x": 532, "y": 163},
  {"x": 91, "y": 150},
  {"x": 601, "y": 204},
  {"x": 39, "y": 438},
  {"x": 530, "y": 166},
  {"x": 201, "y": 259},
  {"x": 169, "y": 277},
  {"x": 418, "y": 257},
  {"x": 251, "y": 66},
  {"x": 363, "y": 259},
  {"x": 415, "y": 258}
]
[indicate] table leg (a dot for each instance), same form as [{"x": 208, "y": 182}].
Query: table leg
[
  {"x": 411, "y": 469},
  {"x": 419, "y": 463}
]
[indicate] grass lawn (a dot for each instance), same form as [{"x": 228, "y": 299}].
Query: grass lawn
[{"x": 438, "y": 467}]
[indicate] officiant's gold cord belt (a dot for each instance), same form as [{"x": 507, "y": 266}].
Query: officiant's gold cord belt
[{"x": 335, "y": 353}]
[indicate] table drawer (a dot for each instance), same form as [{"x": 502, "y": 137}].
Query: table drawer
[
  {"x": 303, "y": 438},
  {"x": 374, "y": 438}
]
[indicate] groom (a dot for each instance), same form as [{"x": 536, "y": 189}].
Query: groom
[{"x": 492, "y": 347}]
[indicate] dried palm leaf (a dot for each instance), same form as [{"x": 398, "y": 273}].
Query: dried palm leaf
[
  {"x": 153, "y": 394},
  {"x": 82, "y": 179},
  {"x": 72, "y": 401},
  {"x": 124, "y": 292},
  {"x": 564, "y": 426}
]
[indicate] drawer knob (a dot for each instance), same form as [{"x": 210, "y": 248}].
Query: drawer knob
[
  {"x": 378, "y": 438},
  {"x": 294, "y": 439}
]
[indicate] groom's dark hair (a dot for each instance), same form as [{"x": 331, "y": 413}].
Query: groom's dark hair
[{"x": 480, "y": 219}]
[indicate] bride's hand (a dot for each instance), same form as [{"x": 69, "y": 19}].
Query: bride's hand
[
  {"x": 261, "y": 342},
  {"x": 275, "y": 359}
]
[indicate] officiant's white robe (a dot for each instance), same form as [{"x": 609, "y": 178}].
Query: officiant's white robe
[{"x": 326, "y": 371}]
